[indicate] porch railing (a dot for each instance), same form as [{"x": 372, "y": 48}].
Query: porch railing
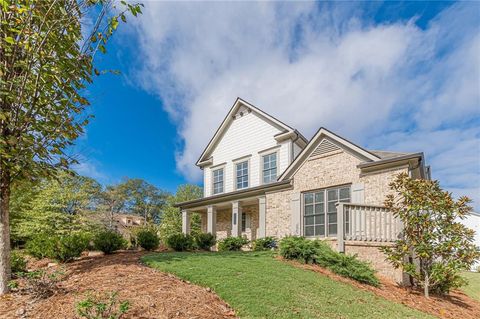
[{"x": 366, "y": 223}]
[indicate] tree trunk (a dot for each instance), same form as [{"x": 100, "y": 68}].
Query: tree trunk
[
  {"x": 5, "y": 271},
  {"x": 426, "y": 285}
]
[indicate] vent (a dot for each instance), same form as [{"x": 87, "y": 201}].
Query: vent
[{"x": 325, "y": 147}]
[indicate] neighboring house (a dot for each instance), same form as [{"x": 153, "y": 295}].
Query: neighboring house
[
  {"x": 124, "y": 223},
  {"x": 263, "y": 178}
]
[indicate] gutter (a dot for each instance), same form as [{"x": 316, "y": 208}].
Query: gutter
[
  {"x": 391, "y": 160},
  {"x": 247, "y": 192}
]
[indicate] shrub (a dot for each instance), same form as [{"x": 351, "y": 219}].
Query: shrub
[
  {"x": 61, "y": 248},
  {"x": 232, "y": 243},
  {"x": 41, "y": 246},
  {"x": 99, "y": 306},
  {"x": 69, "y": 247},
  {"x": 148, "y": 239},
  {"x": 319, "y": 252},
  {"x": 180, "y": 242},
  {"x": 267, "y": 243},
  {"x": 18, "y": 263},
  {"x": 299, "y": 248},
  {"x": 204, "y": 241},
  {"x": 41, "y": 284},
  {"x": 108, "y": 241}
]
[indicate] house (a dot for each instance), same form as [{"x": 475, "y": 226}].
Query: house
[
  {"x": 124, "y": 223},
  {"x": 263, "y": 178}
]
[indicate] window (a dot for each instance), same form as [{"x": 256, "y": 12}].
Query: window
[
  {"x": 269, "y": 168},
  {"x": 320, "y": 211},
  {"x": 242, "y": 175},
  {"x": 244, "y": 222},
  {"x": 218, "y": 181}
]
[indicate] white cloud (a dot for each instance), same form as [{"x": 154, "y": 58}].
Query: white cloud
[{"x": 392, "y": 86}]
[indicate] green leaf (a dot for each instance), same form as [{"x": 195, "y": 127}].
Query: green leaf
[{"x": 10, "y": 40}]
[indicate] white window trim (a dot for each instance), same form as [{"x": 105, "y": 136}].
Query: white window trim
[
  {"x": 212, "y": 170},
  {"x": 262, "y": 154},
  {"x": 239, "y": 161}
]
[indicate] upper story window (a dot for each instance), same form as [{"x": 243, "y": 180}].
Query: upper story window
[
  {"x": 269, "y": 171},
  {"x": 320, "y": 211},
  {"x": 218, "y": 181},
  {"x": 242, "y": 174}
]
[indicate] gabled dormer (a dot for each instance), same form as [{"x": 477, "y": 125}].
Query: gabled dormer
[{"x": 249, "y": 149}]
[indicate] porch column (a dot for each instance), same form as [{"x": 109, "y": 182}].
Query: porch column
[
  {"x": 236, "y": 219},
  {"x": 212, "y": 220},
  {"x": 262, "y": 217},
  {"x": 185, "y": 222}
]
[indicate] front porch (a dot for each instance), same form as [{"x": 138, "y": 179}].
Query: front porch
[{"x": 244, "y": 218}]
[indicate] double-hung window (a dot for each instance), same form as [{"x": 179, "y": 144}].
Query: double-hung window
[
  {"x": 217, "y": 181},
  {"x": 320, "y": 211},
  {"x": 269, "y": 171},
  {"x": 242, "y": 174}
]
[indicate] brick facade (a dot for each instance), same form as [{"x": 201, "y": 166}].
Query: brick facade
[{"x": 330, "y": 170}]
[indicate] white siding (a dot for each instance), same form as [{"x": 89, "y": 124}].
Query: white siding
[
  {"x": 296, "y": 150},
  {"x": 247, "y": 135}
]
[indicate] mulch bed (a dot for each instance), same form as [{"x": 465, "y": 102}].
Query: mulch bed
[
  {"x": 152, "y": 294},
  {"x": 455, "y": 305}
]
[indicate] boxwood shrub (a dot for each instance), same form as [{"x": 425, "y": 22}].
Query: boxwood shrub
[
  {"x": 204, "y": 241},
  {"x": 267, "y": 243},
  {"x": 180, "y": 242},
  {"x": 148, "y": 239},
  {"x": 232, "y": 243},
  {"x": 108, "y": 241}
]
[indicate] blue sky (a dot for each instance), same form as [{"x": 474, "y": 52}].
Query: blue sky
[{"x": 396, "y": 75}]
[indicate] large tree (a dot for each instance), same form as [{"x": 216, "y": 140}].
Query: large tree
[
  {"x": 60, "y": 205},
  {"x": 435, "y": 247},
  {"x": 47, "y": 51},
  {"x": 171, "y": 222}
]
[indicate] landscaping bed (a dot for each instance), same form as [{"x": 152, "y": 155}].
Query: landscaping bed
[{"x": 151, "y": 294}]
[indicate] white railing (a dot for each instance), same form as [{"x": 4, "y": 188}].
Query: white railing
[{"x": 367, "y": 223}]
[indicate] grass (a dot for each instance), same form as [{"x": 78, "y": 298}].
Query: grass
[
  {"x": 473, "y": 287},
  {"x": 258, "y": 286}
]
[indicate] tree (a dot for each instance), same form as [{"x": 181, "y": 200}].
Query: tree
[
  {"x": 112, "y": 202},
  {"x": 45, "y": 65},
  {"x": 171, "y": 222},
  {"x": 143, "y": 199},
  {"x": 434, "y": 246},
  {"x": 58, "y": 206}
]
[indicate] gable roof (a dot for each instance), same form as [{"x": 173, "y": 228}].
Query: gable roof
[
  {"x": 229, "y": 118},
  {"x": 315, "y": 142}
]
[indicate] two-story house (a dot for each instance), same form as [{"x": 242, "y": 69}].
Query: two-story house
[{"x": 263, "y": 178}]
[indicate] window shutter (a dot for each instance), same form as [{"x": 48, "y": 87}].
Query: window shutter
[
  {"x": 295, "y": 214},
  {"x": 358, "y": 193}
]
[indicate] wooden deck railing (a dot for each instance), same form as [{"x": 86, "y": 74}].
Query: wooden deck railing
[{"x": 366, "y": 223}]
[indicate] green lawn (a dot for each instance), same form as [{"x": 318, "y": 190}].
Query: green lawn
[
  {"x": 473, "y": 288},
  {"x": 258, "y": 286}
]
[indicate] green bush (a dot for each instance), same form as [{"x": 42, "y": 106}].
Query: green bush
[
  {"x": 204, "y": 241},
  {"x": 18, "y": 263},
  {"x": 180, "y": 242},
  {"x": 267, "y": 243},
  {"x": 70, "y": 246},
  {"x": 319, "y": 252},
  {"x": 108, "y": 241},
  {"x": 232, "y": 243},
  {"x": 62, "y": 248},
  {"x": 299, "y": 248},
  {"x": 148, "y": 239},
  {"x": 41, "y": 246}
]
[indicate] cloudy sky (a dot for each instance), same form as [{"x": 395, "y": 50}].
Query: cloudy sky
[{"x": 389, "y": 76}]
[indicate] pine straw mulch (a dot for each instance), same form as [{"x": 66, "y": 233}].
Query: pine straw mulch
[
  {"x": 455, "y": 305},
  {"x": 152, "y": 294}
]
